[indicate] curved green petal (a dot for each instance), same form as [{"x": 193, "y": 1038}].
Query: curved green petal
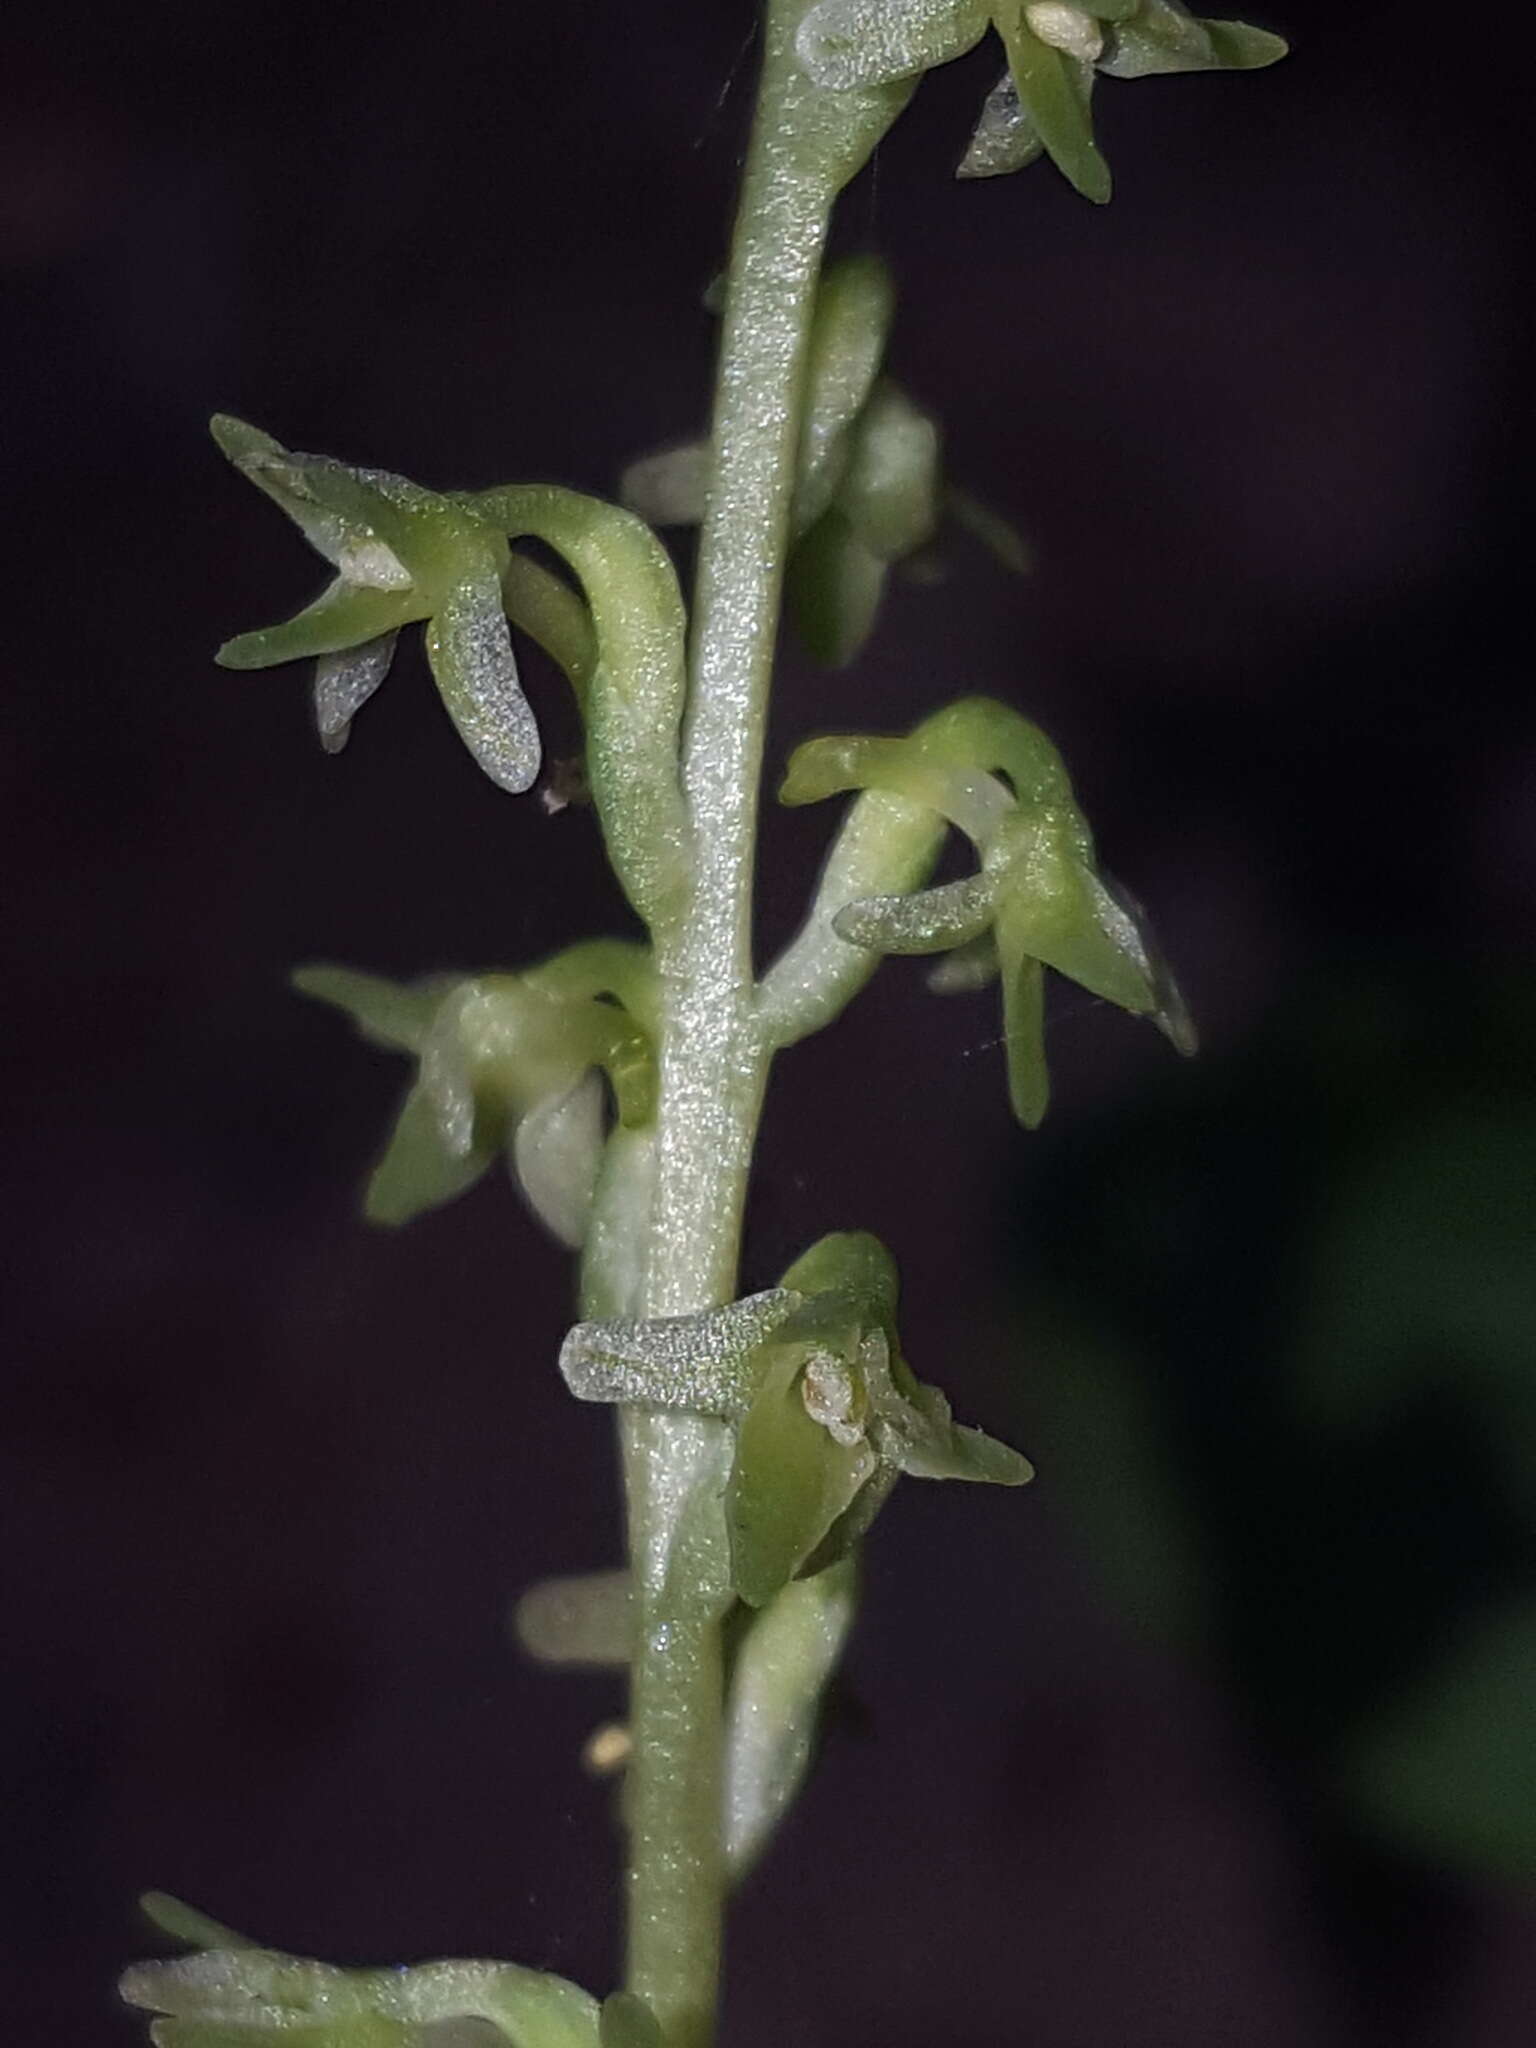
[
  {"x": 470, "y": 650},
  {"x": 185, "y": 1924},
  {"x": 344, "y": 682},
  {"x": 927, "y": 921},
  {"x": 343, "y": 615},
  {"x": 967, "y": 969},
  {"x": 790, "y": 1481},
  {"x": 1054, "y": 88}
]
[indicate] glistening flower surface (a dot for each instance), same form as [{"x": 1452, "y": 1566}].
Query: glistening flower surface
[
  {"x": 1042, "y": 103},
  {"x": 826, "y": 1412},
  {"x": 1037, "y": 900},
  {"x": 402, "y": 554}
]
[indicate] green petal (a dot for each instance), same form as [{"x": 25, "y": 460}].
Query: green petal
[
  {"x": 185, "y": 1924},
  {"x": 832, "y": 590},
  {"x": 268, "y": 465},
  {"x": 343, "y": 615},
  {"x": 790, "y": 1481},
  {"x": 1162, "y": 37},
  {"x": 1063, "y": 914},
  {"x": 1237, "y": 47},
  {"x": 1054, "y": 88},
  {"x": 853, "y": 1264},
  {"x": 937, "y": 1447},
  {"x": 397, "y": 1014},
  {"x": 846, "y": 43},
  {"x": 1005, "y": 138},
  {"x": 343, "y": 684},
  {"x": 1029, "y": 1088},
  {"x": 470, "y": 650},
  {"x": 890, "y": 490},
  {"x": 418, "y": 1171},
  {"x": 926, "y": 921}
]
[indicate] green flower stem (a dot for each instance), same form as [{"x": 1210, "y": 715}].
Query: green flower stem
[{"x": 806, "y": 144}]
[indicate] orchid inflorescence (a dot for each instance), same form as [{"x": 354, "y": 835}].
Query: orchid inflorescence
[{"x": 763, "y": 1434}]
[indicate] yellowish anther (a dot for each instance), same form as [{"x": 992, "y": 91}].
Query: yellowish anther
[
  {"x": 1066, "y": 28},
  {"x": 607, "y": 1750}
]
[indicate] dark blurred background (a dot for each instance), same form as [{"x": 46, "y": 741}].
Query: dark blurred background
[{"x": 1225, "y": 1732}]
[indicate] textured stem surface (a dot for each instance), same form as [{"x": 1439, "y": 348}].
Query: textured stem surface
[{"x": 806, "y": 144}]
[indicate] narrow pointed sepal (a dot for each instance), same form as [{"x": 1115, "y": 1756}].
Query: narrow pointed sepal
[
  {"x": 470, "y": 650},
  {"x": 420, "y": 1170},
  {"x": 397, "y": 1014},
  {"x": 1162, "y": 38},
  {"x": 1054, "y": 86},
  {"x": 344, "y": 615}
]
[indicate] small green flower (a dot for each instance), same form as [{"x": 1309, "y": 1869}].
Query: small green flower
[
  {"x": 401, "y": 554},
  {"x": 507, "y": 1064},
  {"x": 1037, "y": 900},
  {"x": 826, "y": 1411},
  {"x": 868, "y": 484},
  {"x": 1041, "y": 105}
]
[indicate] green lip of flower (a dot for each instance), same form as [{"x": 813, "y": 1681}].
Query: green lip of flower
[
  {"x": 1041, "y": 106},
  {"x": 403, "y": 554},
  {"x": 1037, "y": 900},
  {"x": 826, "y": 1411}
]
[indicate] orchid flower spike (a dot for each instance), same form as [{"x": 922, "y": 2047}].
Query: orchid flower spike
[
  {"x": 1037, "y": 900},
  {"x": 826, "y": 1412},
  {"x": 508, "y": 1064},
  {"x": 1040, "y": 106},
  {"x": 401, "y": 554}
]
